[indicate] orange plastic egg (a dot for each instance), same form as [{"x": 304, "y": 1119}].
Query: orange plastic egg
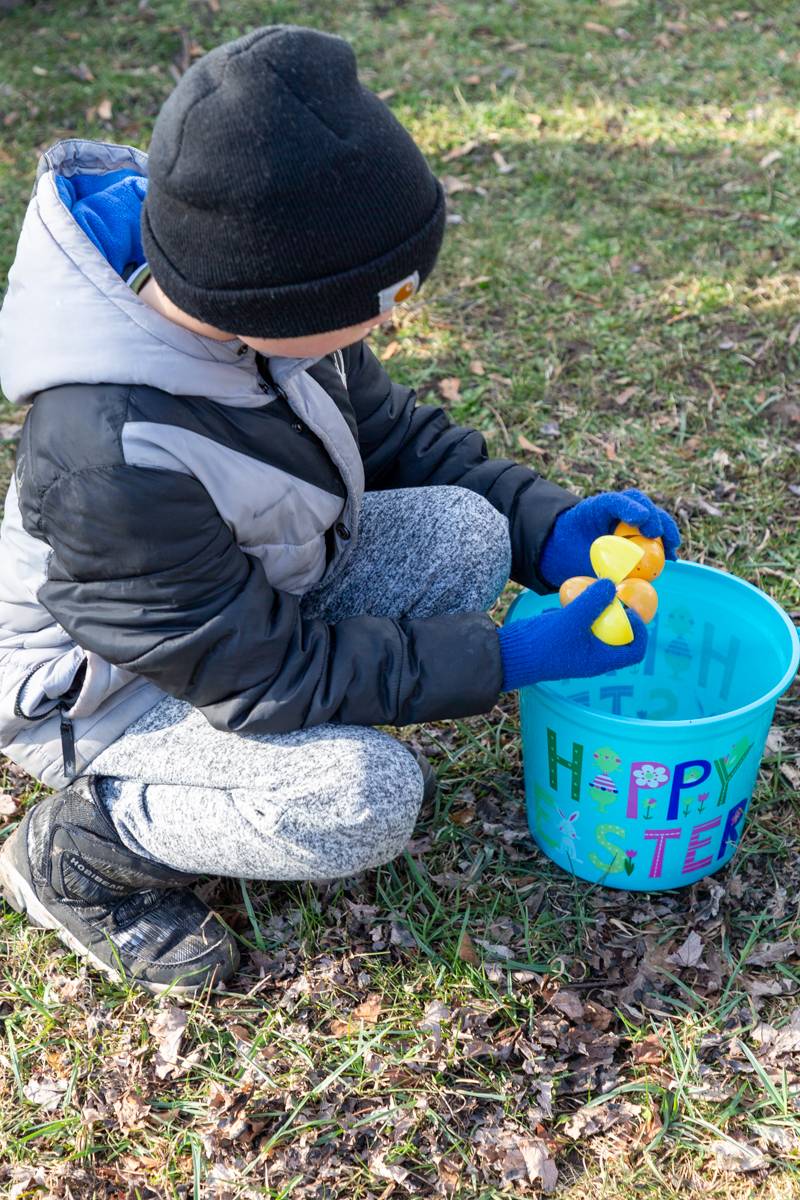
[
  {"x": 652, "y": 562},
  {"x": 572, "y": 588},
  {"x": 639, "y": 595}
]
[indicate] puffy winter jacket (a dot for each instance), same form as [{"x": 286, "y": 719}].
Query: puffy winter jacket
[{"x": 175, "y": 497}]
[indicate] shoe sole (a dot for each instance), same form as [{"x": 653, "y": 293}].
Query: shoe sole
[{"x": 17, "y": 892}]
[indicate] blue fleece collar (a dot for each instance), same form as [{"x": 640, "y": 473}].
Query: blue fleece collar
[{"x": 108, "y": 209}]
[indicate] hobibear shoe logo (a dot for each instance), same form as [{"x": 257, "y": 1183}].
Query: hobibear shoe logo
[{"x": 395, "y": 293}]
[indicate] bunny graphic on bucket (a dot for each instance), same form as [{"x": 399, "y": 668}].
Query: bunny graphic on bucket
[
  {"x": 568, "y": 835},
  {"x": 651, "y": 769}
]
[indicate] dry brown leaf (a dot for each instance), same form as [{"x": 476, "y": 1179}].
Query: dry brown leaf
[
  {"x": 495, "y": 949},
  {"x": 568, "y": 1003},
  {"x": 466, "y": 950},
  {"x": 8, "y": 805},
  {"x": 104, "y": 110},
  {"x": 525, "y": 444},
  {"x": 790, "y": 771},
  {"x": 45, "y": 1091},
  {"x": 379, "y": 1166},
  {"x": 596, "y": 27},
  {"x": 477, "y": 367},
  {"x": 83, "y": 72},
  {"x": 758, "y": 987},
  {"x": 131, "y": 1111},
  {"x": 434, "y": 1014},
  {"x": 168, "y": 1029},
  {"x": 214, "y": 5},
  {"x": 598, "y": 1015},
  {"x": 369, "y": 1010},
  {"x": 624, "y": 396},
  {"x": 450, "y": 389},
  {"x": 767, "y": 953},
  {"x": 390, "y": 351},
  {"x": 649, "y": 1051},
  {"x": 770, "y": 159},
  {"x": 502, "y": 164},
  {"x": 597, "y": 1118},
  {"x": 689, "y": 953},
  {"x": 453, "y": 185},
  {"x": 537, "y": 1164},
  {"x": 460, "y": 151},
  {"x": 731, "y": 1155}
]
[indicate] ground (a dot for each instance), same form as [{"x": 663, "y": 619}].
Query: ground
[{"x": 616, "y": 305}]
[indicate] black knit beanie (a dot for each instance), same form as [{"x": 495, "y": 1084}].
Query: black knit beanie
[{"x": 284, "y": 198}]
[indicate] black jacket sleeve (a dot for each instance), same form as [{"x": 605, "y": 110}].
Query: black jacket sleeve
[
  {"x": 175, "y": 600},
  {"x": 404, "y": 444}
]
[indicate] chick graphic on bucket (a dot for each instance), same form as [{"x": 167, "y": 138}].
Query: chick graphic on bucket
[
  {"x": 602, "y": 790},
  {"x": 678, "y": 653}
]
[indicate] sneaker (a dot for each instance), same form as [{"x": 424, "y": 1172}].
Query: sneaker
[
  {"x": 66, "y": 868},
  {"x": 430, "y": 784}
]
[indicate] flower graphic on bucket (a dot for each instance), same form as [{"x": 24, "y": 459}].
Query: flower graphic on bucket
[
  {"x": 649, "y": 775},
  {"x": 630, "y": 855}
]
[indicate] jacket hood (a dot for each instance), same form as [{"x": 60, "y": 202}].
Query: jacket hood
[{"x": 68, "y": 317}]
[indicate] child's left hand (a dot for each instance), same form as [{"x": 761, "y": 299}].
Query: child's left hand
[{"x": 566, "y": 551}]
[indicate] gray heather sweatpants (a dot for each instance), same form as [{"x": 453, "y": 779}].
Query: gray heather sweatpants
[{"x": 324, "y": 802}]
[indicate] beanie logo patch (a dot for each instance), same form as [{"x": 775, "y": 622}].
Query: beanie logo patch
[{"x": 395, "y": 293}]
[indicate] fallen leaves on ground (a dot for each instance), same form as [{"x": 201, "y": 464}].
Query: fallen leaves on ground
[
  {"x": 168, "y": 1029},
  {"x": 45, "y": 1091},
  {"x": 689, "y": 953},
  {"x": 368, "y": 1012},
  {"x": 450, "y": 389}
]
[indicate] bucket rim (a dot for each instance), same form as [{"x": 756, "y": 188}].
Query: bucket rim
[{"x": 546, "y": 693}]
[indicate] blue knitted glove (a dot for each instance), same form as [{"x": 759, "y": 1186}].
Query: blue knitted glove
[
  {"x": 559, "y": 643},
  {"x": 566, "y": 551}
]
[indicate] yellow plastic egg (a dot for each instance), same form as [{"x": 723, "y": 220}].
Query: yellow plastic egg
[
  {"x": 613, "y": 626},
  {"x": 614, "y": 557}
]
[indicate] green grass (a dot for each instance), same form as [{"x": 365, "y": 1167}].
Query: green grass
[{"x": 629, "y": 290}]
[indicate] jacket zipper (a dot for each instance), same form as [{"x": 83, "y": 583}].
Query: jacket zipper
[
  {"x": 62, "y": 706},
  {"x": 17, "y": 705},
  {"x": 67, "y": 741}
]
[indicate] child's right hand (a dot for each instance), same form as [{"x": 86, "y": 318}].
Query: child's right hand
[{"x": 559, "y": 643}]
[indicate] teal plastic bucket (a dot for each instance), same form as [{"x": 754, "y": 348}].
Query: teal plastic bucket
[{"x": 641, "y": 778}]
